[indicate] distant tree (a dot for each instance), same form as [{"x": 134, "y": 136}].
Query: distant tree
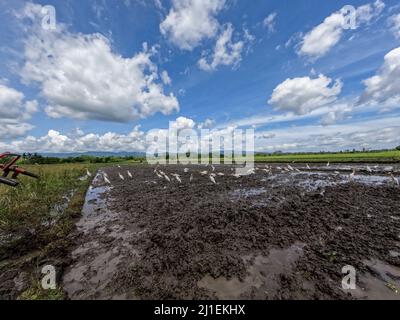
[{"x": 398, "y": 148}]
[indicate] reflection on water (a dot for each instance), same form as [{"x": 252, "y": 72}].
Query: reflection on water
[{"x": 263, "y": 275}]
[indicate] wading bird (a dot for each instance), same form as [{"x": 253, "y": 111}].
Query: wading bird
[
  {"x": 203, "y": 173},
  {"x": 159, "y": 175},
  {"x": 351, "y": 176},
  {"x": 177, "y": 177},
  {"x": 191, "y": 178},
  {"x": 167, "y": 178},
  {"x": 186, "y": 170},
  {"x": 88, "y": 173},
  {"x": 106, "y": 180},
  {"x": 394, "y": 179},
  {"x": 369, "y": 169},
  {"x": 308, "y": 167},
  {"x": 121, "y": 176},
  {"x": 212, "y": 179},
  {"x": 129, "y": 174},
  {"x": 290, "y": 167},
  {"x": 328, "y": 164}
]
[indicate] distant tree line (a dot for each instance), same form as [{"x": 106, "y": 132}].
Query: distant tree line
[{"x": 35, "y": 158}]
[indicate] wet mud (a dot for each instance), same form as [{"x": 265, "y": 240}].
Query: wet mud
[{"x": 275, "y": 234}]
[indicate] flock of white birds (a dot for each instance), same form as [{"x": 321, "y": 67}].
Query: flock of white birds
[{"x": 212, "y": 175}]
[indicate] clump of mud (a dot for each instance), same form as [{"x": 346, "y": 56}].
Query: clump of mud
[{"x": 262, "y": 236}]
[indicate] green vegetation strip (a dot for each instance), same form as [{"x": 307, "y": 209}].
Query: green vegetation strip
[
  {"x": 41, "y": 236},
  {"x": 370, "y": 157}
]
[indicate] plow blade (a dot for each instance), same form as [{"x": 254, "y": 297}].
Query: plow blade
[
  {"x": 18, "y": 171},
  {"x": 9, "y": 182}
]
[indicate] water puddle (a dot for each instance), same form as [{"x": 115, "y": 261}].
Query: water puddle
[
  {"x": 104, "y": 246},
  {"x": 313, "y": 181},
  {"x": 247, "y": 193},
  {"x": 60, "y": 208},
  {"x": 383, "y": 283},
  {"x": 263, "y": 278},
  {"x": 342, "y": 168}
]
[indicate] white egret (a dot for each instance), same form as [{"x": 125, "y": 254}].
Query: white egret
[
  {"x": 106, "y": 180},
  {"x": 308, "y": 167},
  {"x": 394, "y": 179},
  {"x": 130, "y": 174},
  {"x": 186, "y": 170},
  {"x": 158, "y": 175},
  {"x": 121, "y": 176},
  {"x": 88, "y": 173},
  {"x": 369, "y": 169},
  {"x": 212, "y": 179},
  {"x": 177, "y": 177},
  {"x": 351, "y": 177},
  {"x": 203, "y": 173}
]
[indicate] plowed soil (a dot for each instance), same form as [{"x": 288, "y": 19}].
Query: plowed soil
[{"x": 279, "y": 235}]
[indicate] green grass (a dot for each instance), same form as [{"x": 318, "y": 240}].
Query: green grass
[
  {"x": 37, "y": 293},
  {"x": 31, "y": 202},
  {"x": 371, "y": 157},
  {"x": 24, "y": 212}
]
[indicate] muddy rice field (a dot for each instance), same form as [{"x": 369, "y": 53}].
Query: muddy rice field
[{"x": 282, "y": 232}]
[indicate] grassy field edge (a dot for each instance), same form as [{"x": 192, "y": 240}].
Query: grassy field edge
[{"x": 44, "y": 244}]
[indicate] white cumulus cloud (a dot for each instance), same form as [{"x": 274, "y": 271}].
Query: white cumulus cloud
[
  {"x": 191, "y": 21},
  {"x": 54, "y": 141},
  {"x": 14, "y": 112},
  {"x": 326, "y": 35},
  {"x": 81, "y": 77},
  {"x": 305, "y": 94},
  {"x": 182, "y": 123},
  {"x": 226, "y": 52},
  {"x": 384, "y": 87}
]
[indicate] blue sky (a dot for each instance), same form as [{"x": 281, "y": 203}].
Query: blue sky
[{"x": 289, "y": 69}]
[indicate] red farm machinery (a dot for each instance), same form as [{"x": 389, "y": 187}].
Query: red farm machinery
[{"x": 8, "y": 167}]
